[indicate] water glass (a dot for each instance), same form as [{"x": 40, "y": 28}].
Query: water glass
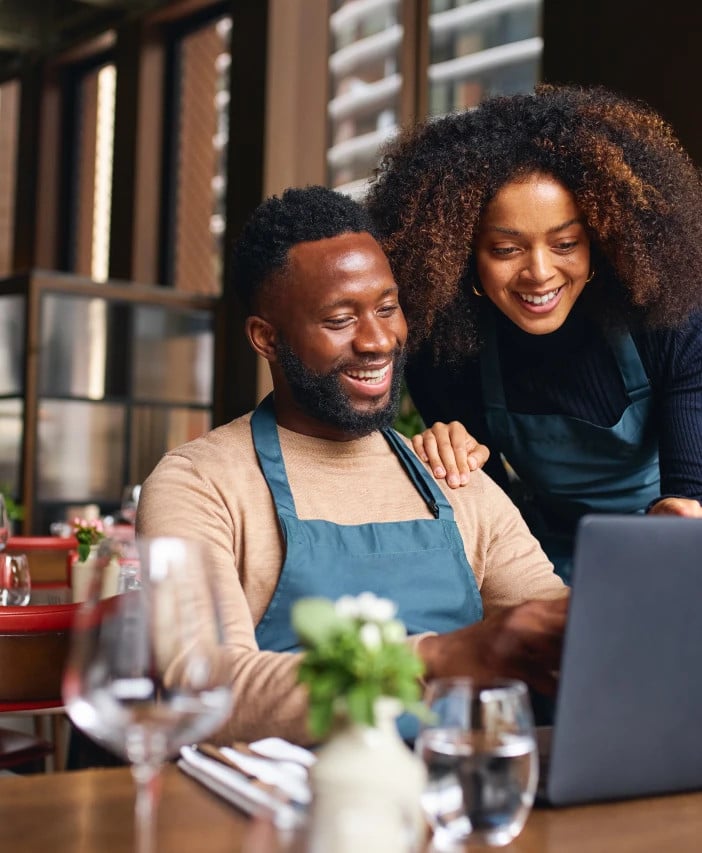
[
  {"x": 479, "y": 747},
  {"x": 15, "y": 583}
]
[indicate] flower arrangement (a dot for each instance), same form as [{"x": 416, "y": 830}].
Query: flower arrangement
[
  {"x": 355, "y": 652},
  {"x": 87, "y": 533}
]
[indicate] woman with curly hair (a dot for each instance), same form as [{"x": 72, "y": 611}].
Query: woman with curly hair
[{"x": 548, "y": 249}]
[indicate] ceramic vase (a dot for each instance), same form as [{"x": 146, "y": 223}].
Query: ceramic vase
[
  {"x": 82, "y": 574},
  {"x": 366, "y": 787}
]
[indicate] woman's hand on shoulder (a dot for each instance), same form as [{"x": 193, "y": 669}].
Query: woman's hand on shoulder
[
  {"x": 451, "y": 451},
  {"x": 677, "y": 506}
]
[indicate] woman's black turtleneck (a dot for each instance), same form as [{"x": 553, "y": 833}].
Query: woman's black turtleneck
[{"x": 573, "y": 372}]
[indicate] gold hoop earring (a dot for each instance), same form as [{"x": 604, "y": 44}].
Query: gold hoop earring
[
  {"x": 590, "y": 277},
  {"x": 476, "y": 291}
]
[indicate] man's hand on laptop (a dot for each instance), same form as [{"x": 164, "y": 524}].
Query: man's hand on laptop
[
  {"x": 677, "y": 506},
  {"x": 522, "y": 642}
]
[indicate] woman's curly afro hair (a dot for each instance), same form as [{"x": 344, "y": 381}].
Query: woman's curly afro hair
[{"x": 638, "y": 191}]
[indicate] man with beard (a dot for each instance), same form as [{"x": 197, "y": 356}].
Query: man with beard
[{"x": 315, "y": 494}]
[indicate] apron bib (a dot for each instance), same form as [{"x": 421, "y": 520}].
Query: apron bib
[
  {"x": 420, "y": 565},
  {"x": 568, "y": 466}
]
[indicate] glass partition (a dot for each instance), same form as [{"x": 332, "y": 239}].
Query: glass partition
[
  {"x": 11, "y": 411},
  {"x": 73, "y": 343},
  {"x": 116, "y": 375},
  {"x": 80, "y": 451},
  {"x": 172, "y": 355},
  {"x": 11, "y": 344},
  {"x": 12, "y": 313}
]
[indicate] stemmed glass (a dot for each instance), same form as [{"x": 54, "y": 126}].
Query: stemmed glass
[
  {"x": 479, "y": 746},
  {"x": 130, "y": 501},
  {"x": 144, "y": 674},
  {"x": 15, "y": 582}
]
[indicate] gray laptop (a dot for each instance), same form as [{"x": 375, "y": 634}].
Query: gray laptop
[{"x": 628, "y": 719}]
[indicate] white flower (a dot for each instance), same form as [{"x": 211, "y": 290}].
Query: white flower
[
  {"x": 347, "y": 607},
  {"x": 370, "y": 636},
  {"x": 394, "y": 631},
  {"x": 374, "y": 609}
]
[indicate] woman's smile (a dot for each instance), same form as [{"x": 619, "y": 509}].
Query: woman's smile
[{"x": 533, "y": 253}]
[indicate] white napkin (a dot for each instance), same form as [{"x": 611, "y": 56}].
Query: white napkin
[
  {"x": 283, "y": 750},
  {"x": 287, "y": 776},
  {"x": 288, "y": 793}
]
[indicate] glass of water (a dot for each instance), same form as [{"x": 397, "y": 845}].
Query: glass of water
[
  {"x": 15, "y": 583},
  {"x": 479, "y": 747}
]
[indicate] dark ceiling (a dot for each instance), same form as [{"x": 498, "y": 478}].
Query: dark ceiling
[{"x": 32, "y": 29}]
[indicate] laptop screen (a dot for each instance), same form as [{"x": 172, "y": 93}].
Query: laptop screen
[{"x": 629, "y": 709}]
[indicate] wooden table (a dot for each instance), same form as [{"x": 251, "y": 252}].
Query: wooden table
[{"x": 90, "y": 811}]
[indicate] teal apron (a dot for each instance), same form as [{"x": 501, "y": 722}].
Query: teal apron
[
  {"x": 567, "y": 466},
  {"x": 420, "y": 565}
]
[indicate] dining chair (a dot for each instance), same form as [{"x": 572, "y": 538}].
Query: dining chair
[
  {"x": 18, "y": 749},
  {"x": 33, "y": 651}
]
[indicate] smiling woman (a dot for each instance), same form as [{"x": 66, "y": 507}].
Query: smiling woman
[
  {"x": 533, "y": 253},
  {"x": 548, "y": 249}
]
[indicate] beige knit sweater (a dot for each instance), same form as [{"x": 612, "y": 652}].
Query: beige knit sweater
[{"x": 212, "y": 489}]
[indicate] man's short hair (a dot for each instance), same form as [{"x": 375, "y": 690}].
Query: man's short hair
[{"x": 299, "y": 215}]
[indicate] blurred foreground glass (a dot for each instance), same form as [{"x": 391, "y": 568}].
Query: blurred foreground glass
[
  {"x": 480, "y": 751},
  {"x": 15, "y": 583},
  {"x": 130, "y": 502},
  {"x": 142, "y": 678}
]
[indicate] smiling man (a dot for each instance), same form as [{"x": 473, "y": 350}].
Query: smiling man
[
  {"x": 315, "y": 494},
  {"x": 336, "y": 345}
]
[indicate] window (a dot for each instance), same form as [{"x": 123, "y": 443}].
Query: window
[
  {"x": 9, "y": 105},
  {"x": 475, "y": 48},
  {"x": 197, "y": 181},
  {"x": 366, "y": 81},
  {"x": 89, "y": 239},
  {"x": 480, "y": 48}
]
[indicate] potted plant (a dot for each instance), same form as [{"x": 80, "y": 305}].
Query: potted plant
[
  {"x": 360, "y": 674},
  {"x": 93, "y": 569}
]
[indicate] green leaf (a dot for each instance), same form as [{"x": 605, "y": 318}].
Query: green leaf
[
  {"x": 321, "y": 717},
  {"x": 408, "y": 421},
  {"x": 359, "y": 702},
  {"x": 343, "y": 674}
]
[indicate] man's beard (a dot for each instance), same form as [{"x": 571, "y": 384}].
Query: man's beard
[{"x": 322, "y": 397}]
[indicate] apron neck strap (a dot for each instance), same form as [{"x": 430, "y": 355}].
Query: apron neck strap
[
  {"x": 264, "y": 430},
  {"x": 266, "y": 441},
  {"x": 425, "y": 485}
]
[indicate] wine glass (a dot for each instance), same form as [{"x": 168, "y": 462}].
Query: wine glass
[
  {"x": 15, "y": 582},
  {"x": 143, "y": 675},
  {"x": 4, "y": 523},
  {"x": 130, "y": 502},
  {"x": 479, "y": 746}
]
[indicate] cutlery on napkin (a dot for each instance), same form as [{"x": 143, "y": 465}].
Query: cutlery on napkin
[
  {"x": 256, "y": 784},
  {"x": 282, "y": 750}
]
